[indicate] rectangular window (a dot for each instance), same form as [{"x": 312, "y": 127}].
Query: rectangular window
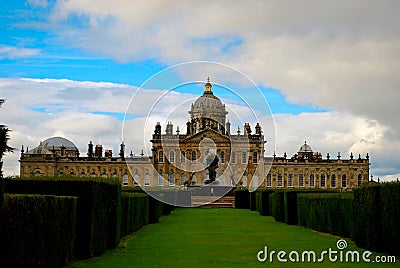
[
  {"x": 269, "y": 181},
  {"x": 301, "y": 180},
  {"x": 359, "y": 182},
  {"x": 323, "y": 183},
  {"x": 255, "y": 157},
  {"x": 344, "y": 181},
  {"x": 312, "y": 181},
  {"x": 171, "y": 179},
  {"x": 333, "y": 181},
  {"x": 244, "y": 157},
  {"x": 233, "y": 158},
  {"x": 280, "y": 180},
  {"x": 222, "y": 158},
  {"x": 171, "y": 156},
  {"x": 160, "y": 157},
  {"x": 147, "y": 179},
  {"x": 160, "y": 180},
  {"x": 290, "y": 180},
  {"x": 182, "y": 179},
  {"x": 183, "y": 157}
]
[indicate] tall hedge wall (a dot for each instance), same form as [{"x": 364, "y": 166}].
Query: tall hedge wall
[
  {"x": 98, "y": 208},
  {"x": 326, "y": 212},
  {"x": 253, "y": 200},
  {"x": 377, "y": 217},
  {"x": 135, "y": 211},
  {"x": 390, "y": 212},
  {"x": 242, "y": 198},
  {"x": 262, "y": 201},
  {"x": 37, "y": 230},
  {"x": 276, "y": 201},
  {"x": 290, "y": 202}
]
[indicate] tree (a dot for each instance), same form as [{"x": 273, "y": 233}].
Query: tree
[{"x": 4, "y": 137}]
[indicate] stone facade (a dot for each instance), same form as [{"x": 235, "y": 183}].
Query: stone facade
[{"x": 185, "y": 159}]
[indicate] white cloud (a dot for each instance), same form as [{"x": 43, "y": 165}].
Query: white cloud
[{"x": 9, "y": 52}]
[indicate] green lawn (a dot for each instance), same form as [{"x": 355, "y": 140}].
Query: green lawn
[{"x": 218, "y": 238}]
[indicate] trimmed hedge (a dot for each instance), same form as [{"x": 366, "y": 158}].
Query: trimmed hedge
[
  {"x": 98, "y": 208},
  {"x": 253, "y": 201},
  {"x": 377, "y": 217},
  {"x": 37, "y": 230},
  {"x": 262, "y": 201},
  {"x": 290, "y": 202},
  {"x": 135, "y": 212},
  {"x": 326, "y": 212},
  {"x": 242, "y": 198},
  {"x": 367, "y": 217},
  {"x": 276, "y": 201},
  {"x": 390, "y": 212}
]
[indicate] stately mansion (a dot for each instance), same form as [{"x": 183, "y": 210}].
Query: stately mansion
[{"x": 207, "y": 153}]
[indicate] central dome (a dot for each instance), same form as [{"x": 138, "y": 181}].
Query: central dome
[
  {"x": 209, "y": 106},
  {"x": 208, "y": 100}
]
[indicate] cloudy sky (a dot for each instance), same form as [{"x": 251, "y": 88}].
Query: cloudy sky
[{"x": 326, "y": 70}]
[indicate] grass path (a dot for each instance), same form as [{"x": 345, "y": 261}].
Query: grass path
[{"x": 217, "y": 238}]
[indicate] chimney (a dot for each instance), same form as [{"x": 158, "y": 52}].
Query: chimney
[
  {"x": 108, "y": 153},
  {"x": 90, "y": 150},
  {"x": 122, "y": 151},
  {"x": 99, "y": 151}
]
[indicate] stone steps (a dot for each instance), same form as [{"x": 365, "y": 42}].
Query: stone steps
[{"x": 210, "y": 202}]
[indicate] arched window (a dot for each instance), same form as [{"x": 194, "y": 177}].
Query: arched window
[
  {"x": 93, "y": 174},
  {"x": 344, "y": 181},
  {"x": 222, "y": 157},
  {"x": 171, "y": 156},
  {"x": 125, "y": 180},
  {"x": 269, "y": 180},
  {"x": 72, "y": 173},
  {"x": 301, "y": 180},
  {"x": 290, "y": 180},
  {"x": 255, "y": 157},
  {"x": 160, "y": 157},
  {"x": 194, "y": 157},
  {"x": 312, "y": 180},
  {"x": 37, "y": 173},
  {"x": 104, "y": 175},
  {"x": 280, "y": 184},
  {"x": 333, "y": 181},
  {"x": 182, "y": 179},
  {"x": 183, "y": 157},
  {"x": 359, "y": 180},
  {"x": 323, "y": 182},
  {"x": 146, "y": 179},
  {"x": 83, "y": 174},
  {"x": 171, "y": 179}
]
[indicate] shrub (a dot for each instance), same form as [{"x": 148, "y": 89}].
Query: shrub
[
  {"x": 37, "y": 230},
  {"x": 326, "y": 212},
  {"x": 242, "y": 198},
  {"x": 97, "y": 209}
]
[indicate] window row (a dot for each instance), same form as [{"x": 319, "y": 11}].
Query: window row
[
  {"x": 323, "y": 180},
  {"x": 193, "y": 157}
]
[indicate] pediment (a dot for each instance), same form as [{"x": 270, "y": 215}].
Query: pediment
[{"x": 207, "y": 133}]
